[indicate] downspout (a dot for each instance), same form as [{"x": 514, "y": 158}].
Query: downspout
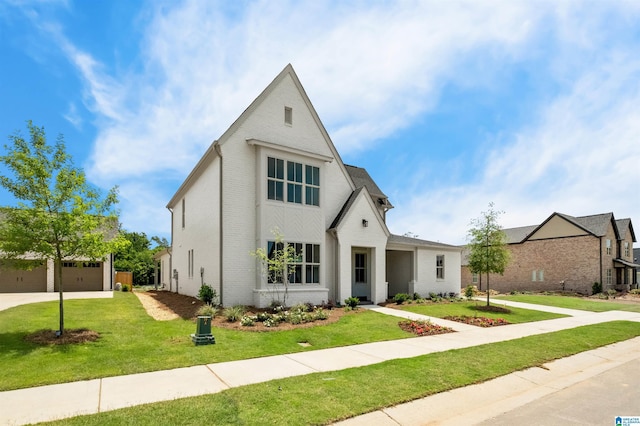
[
  {"x": 216, "y": 146},
  {"x": 336, "y": 269},
  {"x": 170, "y": 253}
]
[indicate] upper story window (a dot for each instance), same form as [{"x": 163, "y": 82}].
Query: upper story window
[
  {"x": 275, "y": 179},
  {"x": 294, "y": 182},
  {"x": 288, "y": 116},
  {"x": 312, "y": 185},
  {"x": 608, "y": 246},
  {"x": 302, "y": 182},
  {"x": 626, "y": 249},
  {"x": 440, "y": 266},
  {"x": 183, "y": 214}
]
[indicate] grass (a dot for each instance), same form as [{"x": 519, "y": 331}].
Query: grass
[
  {"x": 572, "y": 302},
  {"x": 441, "y": 310},
  {"x": 133, "y": 342},
  {"x": 323, "y": 398}
]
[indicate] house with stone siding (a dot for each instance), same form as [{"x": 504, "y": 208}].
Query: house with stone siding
[
  {"x": 566, "y": 253},
  {"x": 276, "y": 167}
]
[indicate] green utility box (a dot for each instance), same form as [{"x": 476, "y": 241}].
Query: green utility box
[{"x": 203, "y": 334}]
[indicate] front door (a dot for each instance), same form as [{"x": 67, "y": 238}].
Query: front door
[{"x": 361, "y": 274}]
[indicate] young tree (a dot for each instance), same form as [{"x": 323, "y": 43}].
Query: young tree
[
  {"x": 59, "y": 216},
  {"x": 488, "y": 252},
  {"x": 278, "y": 261}
]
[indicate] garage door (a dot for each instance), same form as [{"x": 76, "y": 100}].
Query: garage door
[
  {"x": 81, "y": 276},
  {"x": 19, "y": 281}
]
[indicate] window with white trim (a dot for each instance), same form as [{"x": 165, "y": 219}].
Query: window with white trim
[
  {"x": 288, "y": 116},
  {"x": 609, "y": 277},
  {"x": 312, "y": 261},
  {"x": 626, "y": 249},
  {"x": 294, "y": 182},
  {"x": 312, "y": 185},
  {"x": 608, "y": 246},
  {"x": 190, "y": 263},
  {"x": 306, "y": 267},
  {"x": 183, "y": 213},
  {"x": 474, "y": 278},
  {"x": 275, "y": 179},
  {"x": 302, "y": 180},
  {"x": 440, "y": 266}
]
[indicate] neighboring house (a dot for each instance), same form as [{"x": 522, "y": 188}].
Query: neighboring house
[
  {"x": 276, "y": 167},
  {"x": 636, "y": 260},
  {"x": 566, "y": 253},
  {"x": 162, "y": 270},
  {"x": 76, "y": 276}
]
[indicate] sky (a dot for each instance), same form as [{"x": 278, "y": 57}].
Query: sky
[{"x": 533, "y": 106}]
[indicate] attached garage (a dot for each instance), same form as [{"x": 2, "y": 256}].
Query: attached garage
[
  {"x": 81, "y": 276},
  {"x": 24, "y": 281}
]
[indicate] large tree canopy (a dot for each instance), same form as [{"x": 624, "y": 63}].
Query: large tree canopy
[
  {"x": 137, "y": 257},
  {"x": 58, "y": 216},
  {"x": 488, "y": 252}
]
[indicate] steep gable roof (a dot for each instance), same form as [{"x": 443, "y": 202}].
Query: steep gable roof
[
  {"x": 625, "y": 225},
  {"x": 214, "y": 149},
  {"x": 361, "y": 177},
  {"x": 596, "y": 225},
  {"x": 351, "y": 201}
]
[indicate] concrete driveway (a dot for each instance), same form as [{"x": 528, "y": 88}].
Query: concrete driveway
[{"x": 9, "y": 300}]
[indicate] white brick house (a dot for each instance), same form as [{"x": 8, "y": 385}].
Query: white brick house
[{"x": 277, "y": 167}]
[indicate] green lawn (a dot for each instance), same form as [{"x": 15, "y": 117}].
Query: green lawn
[
  {"x": 443, "y": 309},
  {"x": 326, "y": 397},
  {"x": 132, "y": 342},
  {"x": 572, "y": 302}
]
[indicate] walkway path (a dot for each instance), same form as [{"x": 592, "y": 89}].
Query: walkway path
[{"x": 110, "y": 393}]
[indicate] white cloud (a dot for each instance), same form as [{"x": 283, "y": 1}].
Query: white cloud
[
  {"x": 371, "y": 69},
  {"x": 581, "y": 158}
]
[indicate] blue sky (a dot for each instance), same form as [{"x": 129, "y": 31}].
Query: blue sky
[{"x": 533, "y": 106}]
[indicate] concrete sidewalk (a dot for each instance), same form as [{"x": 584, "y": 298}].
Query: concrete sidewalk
[
  {"x": 110, "y": 393},
  {"x": 9, "y": 300}
]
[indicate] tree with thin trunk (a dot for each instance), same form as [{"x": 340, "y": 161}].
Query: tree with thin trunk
[
  {"x": 59, "y": 216},
  {"x": 278, "y": 262},
  {"x": 488, "y": 252}
]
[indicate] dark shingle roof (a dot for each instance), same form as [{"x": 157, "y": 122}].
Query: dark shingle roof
[
  {"x": 597, "y": 224},
  {"x": 360, "y": 178},
  {"x": 516, "y": 235}
]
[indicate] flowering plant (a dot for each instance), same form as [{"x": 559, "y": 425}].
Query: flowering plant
[{"x": 423, "y": 328}]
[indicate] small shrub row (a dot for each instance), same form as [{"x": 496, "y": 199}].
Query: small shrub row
[{"x": 299, "y": 314}]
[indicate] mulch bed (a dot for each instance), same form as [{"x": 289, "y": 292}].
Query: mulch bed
[
  {"x": 478, "y": 321},
  {"x": 70, "y": 336},
  {"x": 423, "y": 328}
]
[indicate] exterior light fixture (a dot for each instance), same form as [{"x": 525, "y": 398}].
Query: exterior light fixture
[{"x": 365, "y": 223}]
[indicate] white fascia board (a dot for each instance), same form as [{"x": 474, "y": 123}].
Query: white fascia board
[{"x": 291, "y": 150}]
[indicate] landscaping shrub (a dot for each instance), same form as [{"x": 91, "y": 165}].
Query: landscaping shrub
[
  {"x": 208, "y": 310},
  {"x": 319, "y": 314},
  {"x": 234, "y": 313},
  {"x": 635, "y": 291},
  {"x": 352, "y": 302},
  {"x": 207, "y": 294},
  {"x": 470, "y": 292},
  {"x": 126, "y": 287},
  {"x": 247, "y": 321},
  {"x": 596, "y": 288},
  {"x": 400, "y": 298}
]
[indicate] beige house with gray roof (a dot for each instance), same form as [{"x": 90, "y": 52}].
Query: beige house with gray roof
[{"x": 567, "y": 253}]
